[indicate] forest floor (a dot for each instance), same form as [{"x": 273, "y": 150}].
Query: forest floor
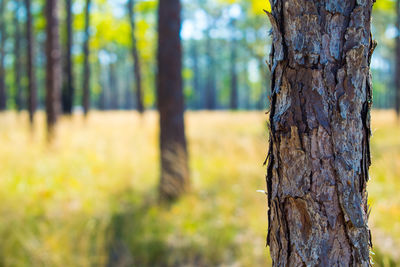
[{"x": 90, "y": 198}]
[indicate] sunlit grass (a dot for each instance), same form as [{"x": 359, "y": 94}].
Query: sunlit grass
[{"x": 90, "y": 198}]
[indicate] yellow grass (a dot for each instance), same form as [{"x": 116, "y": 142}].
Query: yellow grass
[{"x": 90, "y": 197}]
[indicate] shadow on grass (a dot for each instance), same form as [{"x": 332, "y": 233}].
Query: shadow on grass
[{"x": 148, "y": 234}]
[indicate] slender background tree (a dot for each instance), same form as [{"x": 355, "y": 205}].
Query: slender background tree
[
  {"x": 3, "y": 36},
  {"x": 17, "y": 57},
  {"x": 397, "y": 68},
  {"x": 53, "y": 66},
  {"x": 68, "y": 87},
  {"x": 32, "y": 89},
  {"x": 136, "y": 58},
  {"x": 86, "y": 64},
  {"x": 233, "y": 69}
]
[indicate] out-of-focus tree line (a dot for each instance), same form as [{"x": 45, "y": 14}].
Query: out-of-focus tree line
[{"x": 225, "y": 49}]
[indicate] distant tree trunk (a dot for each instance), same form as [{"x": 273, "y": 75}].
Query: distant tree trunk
[
  {"x": 210, "y": 99},
  {"x": 32, "y": 90},
  {"x": 113, "y": 88},
  {"x": 397, "y": 72},
  {"x": 136, "y": 59},
  {"x": 104, "y": 87},
  {"x": 247, "y": 91},
  {"x": 174, "y": 158},
  {"x": 319, "y": 152},
  {"x": 234, "y": 79},
  {"x": 196, "y": 74},
  {"x": 17, "y": 57},
  {"x": 265, "y": 83},
  {"x": 3, "y": 33},
  {"x": 68, "y": 88},
  {"x": 86, "y": 64},
  {"x": 53, "y": 66}
]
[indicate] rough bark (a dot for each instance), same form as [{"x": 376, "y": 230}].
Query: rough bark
[
  {"x": 3, "y": 36},
  {"x": 68, "y": 88},
  {"x": 174, "y": 159},
  {"x": 53, "y": 66},
  {"x": 86, "y": 64},
  {"x": 397, "y": 72},
  {"x": 17, "y": 58},
  {"x": 32, "y": 89},
  {"x": 319, "y": 152},
  {"x": 136, "y": 59}
]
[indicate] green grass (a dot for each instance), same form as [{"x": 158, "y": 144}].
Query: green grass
[{"x": 91, "y": 197}]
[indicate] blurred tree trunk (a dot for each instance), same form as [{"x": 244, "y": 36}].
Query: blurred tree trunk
[
  {"x": 234, "y": 79},
  {"x": 247, "y": 94},
  {"x": 319, "y": 152},
  {"x": 265, "y": 83},
  {"x": 174, "y": 158},
  {"x": 113, "y": 88},
  {"x": 32, "y": 89},
  {"x": 86, "y": 63},
  {"x": 210, "y": 99},
  {"x": 53, "y": 66},
  {"x": 397, "y": 72},
  {"x": 17, "y": 58},
  {"x": 68, "y": 88},
  {"x": 233, "y": 71},
  {"x": 136, "y": 59},
  {"x": 196, "y": 74},
  {"x": 3, "y": 34}
]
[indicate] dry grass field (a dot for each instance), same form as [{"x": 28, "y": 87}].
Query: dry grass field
[{"x": 90, "y": 198}]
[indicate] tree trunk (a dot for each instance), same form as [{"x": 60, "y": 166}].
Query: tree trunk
[
  {"x": 264, "y": 97},
  {"x": 3, "y": 95},
  {"x": 397, "y": 73},
  {"x": 68, "y": 88},
  {"x": 136, "y": 60},
  {"x": 113, "y": 87},
  {"x": 86, "y": 64},
  {"x": 17, "y": 58},
  {"x": 319, "y": 152},
  {"x": 234, "y": 80},
  {"x": 210, "y": 101},
  {"x": 196, "y": 74},
  {"x": 174, "y": 158},
  {"x": 53, "y": 66},
  {"x": 32, "y": 89}
]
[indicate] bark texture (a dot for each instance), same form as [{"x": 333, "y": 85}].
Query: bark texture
[
  {"x": 174, "y": 163},
  {"x": 32, "y": 89},
  {"x": 136, "y": 59},
  {"x": 86, "y": 64},
  {"x": 3, "y": 36},
  {"x": 319, "y": 152},
  {"x": 53, "y": 65},
  {"x": 68, "y": 88}
]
